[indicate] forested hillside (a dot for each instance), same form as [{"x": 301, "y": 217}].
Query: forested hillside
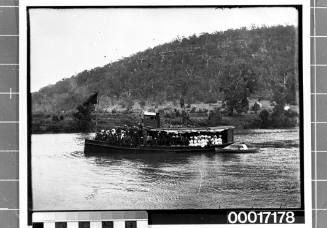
[{"x": 230, "y": 66}]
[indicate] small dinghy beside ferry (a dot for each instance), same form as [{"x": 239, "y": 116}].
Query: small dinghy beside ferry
[{"x": 237, "y": 148}]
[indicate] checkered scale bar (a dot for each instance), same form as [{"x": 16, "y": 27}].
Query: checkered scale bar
[{"x": 94, "y": 219}]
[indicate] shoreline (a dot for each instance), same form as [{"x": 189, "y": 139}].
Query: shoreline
[{"x": 236, "y": 131}]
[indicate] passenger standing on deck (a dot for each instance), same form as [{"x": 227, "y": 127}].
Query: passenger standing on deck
[
  {"x": 219, "y": 140},
  {"x": 144, "y": 135}
]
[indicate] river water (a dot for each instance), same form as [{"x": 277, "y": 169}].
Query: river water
[{"x": 64, "y": 179}]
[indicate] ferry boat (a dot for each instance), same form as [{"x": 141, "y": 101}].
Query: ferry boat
[
  {"x": 152, "y": 138},
  {"x": 198, "y": 141}
]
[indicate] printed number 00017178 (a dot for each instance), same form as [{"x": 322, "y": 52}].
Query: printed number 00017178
[{"x": 261, "y": 217}]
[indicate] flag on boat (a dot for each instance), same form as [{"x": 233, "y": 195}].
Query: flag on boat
[{"x": 93, "y": 99}]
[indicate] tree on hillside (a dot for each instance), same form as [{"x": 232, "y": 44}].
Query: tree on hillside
[
  {"x": 83, "y": 115},
  {"x": 281, "y": 64},
  {"x": 237, "y": 78},
  {"x": 232, "y": 65}
]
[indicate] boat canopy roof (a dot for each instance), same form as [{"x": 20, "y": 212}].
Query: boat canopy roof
[
  {"x": 194, "y": 130},
  {"x": 146, "y": 113}
]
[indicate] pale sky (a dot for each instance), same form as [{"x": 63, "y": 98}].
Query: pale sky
[{"x": 65, "y": 42}]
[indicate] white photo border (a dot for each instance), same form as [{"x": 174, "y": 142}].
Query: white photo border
[{"x": 23, "y": 104}]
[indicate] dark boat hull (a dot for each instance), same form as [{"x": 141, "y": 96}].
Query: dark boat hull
[{"x": 94, "y": 147}]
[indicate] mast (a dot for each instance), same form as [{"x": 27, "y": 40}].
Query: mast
[{"x": 96, "y": 116}]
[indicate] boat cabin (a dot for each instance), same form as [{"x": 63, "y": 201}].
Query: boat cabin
[
  {"x": 214, "y": 136},
  {"x": 151, "y": 120}
]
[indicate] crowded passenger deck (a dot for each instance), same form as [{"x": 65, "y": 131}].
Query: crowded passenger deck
[
  {"x": 150, "y": 136},
  {"x": 138, "y": 139}
]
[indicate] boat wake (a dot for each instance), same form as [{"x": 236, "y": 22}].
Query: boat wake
[{"x": 277, "y": 144}]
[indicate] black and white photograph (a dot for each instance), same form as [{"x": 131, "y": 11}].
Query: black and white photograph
[{"x": 170, "y": 108}]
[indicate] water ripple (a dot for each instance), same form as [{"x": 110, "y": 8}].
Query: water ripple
[{"x": 64, "y": 178}]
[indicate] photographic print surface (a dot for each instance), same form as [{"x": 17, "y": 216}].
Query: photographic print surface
[{"x": 165, "y": 108}]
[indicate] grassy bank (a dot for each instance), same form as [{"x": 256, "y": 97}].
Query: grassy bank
[
  {"x": 108, "y": 120},
  {"x": 170, "y": 115}
]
